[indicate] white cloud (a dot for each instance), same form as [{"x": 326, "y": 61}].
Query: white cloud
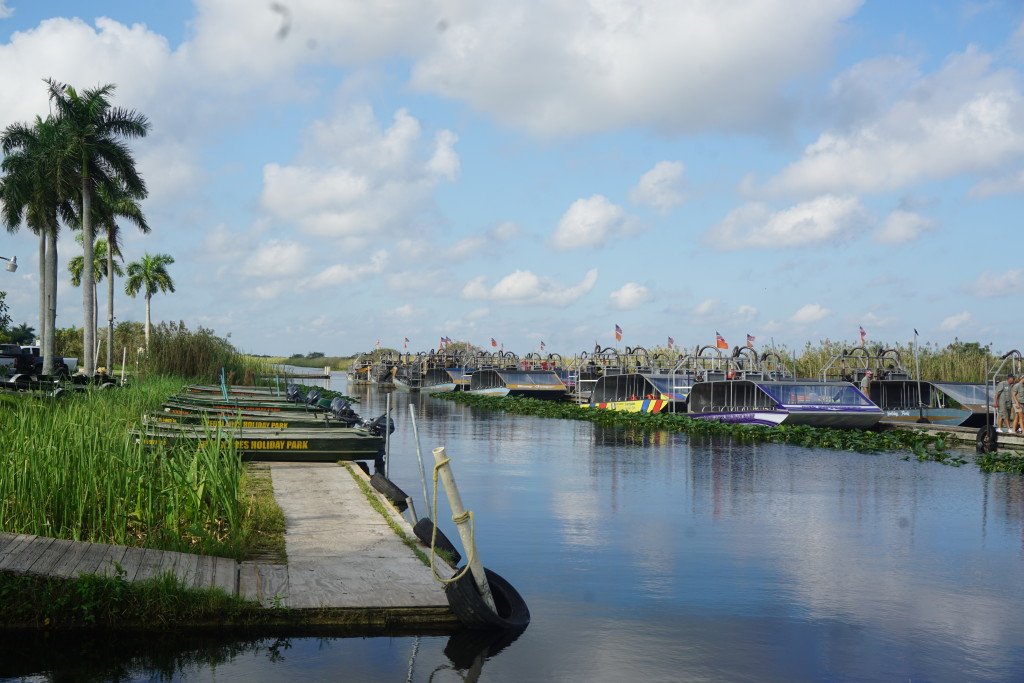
[
  {"x": 902, "y": 227},
  {"x": 580, "y": 66},
  {"x": 591, "y": 223},
  {"x": 478, "y": 313},
  {"x": 875, "y": 321},
  {"x": 991, "y": 284},
  {"x": 5, "y": 11},
  {"x": 745, "y": 313},
  {"x": 357, "y": 180},
  {"x": 811, "y": 313},
  {"x": 276, "y": 258},
  {"x": 964, "y": 118},
  {"x": 407, "y": 311},
  {"x": 956, "y": 322},
  {"x": 345, "y": 273},
  {"x": 523, "y": 287},
  {"x": 1010, "y": 183},
  {"x": 629, "y": 296},
  {"x": 706, "y": 307},
  {"x": 826, "y": 219},
  {"x": 662, "y": 187}
]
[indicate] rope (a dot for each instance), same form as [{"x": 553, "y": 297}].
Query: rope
[{"x": 461, "y": 519}]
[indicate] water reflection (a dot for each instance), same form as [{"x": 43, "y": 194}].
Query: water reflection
[{"x": 658, "y": 557}]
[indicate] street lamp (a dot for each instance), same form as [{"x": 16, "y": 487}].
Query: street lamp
[{"x": 13, "y": 265}]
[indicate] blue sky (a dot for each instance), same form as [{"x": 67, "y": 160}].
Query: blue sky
[{"x": 328, "y": 174}]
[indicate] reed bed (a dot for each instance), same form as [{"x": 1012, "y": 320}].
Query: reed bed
[
  {"x": 175, "y": 350},
  {"x": 69, "y": 469}
]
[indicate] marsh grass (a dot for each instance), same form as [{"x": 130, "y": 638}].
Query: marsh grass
[
  {"x": 177, "y": 351},
  {"x": 70, "y": 469}
]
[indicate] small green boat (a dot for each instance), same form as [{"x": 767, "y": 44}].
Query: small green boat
[{"x": 276, "y": 445}]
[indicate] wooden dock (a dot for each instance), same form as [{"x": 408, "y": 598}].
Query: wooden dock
[
  {"x": 343, "y": 557},
  {"x": 966, "y": 435}
]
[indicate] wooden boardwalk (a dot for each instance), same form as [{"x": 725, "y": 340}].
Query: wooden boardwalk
[{"x": 342, "y": 555}]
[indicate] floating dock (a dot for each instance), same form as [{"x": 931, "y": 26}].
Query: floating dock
[{"x": 344, "y": 559}]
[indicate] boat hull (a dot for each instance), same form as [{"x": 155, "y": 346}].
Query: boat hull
[
  {"x": 817, "y": 417},
  {"x": 275, "y": 445},
  {"x": 647, "y": 405}
]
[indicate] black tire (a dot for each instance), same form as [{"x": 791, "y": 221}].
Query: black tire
[
  {"x": 987, "y": 439},
  {"x": 469, "y": 607},
  {"x": 388, "y": 489},
  {"x": 423, "y": 530}
]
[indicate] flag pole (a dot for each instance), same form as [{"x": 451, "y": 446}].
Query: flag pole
[{"x": 917, "y": 371}]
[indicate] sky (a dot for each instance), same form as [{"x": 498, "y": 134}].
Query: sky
[{"x": 330, "y": 174}]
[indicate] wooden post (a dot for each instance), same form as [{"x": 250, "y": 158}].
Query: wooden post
[
  {"x": 461, "y": 520},
  {"x": 327, "y": 377}
]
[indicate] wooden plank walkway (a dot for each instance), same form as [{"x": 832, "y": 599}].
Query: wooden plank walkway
[{"x": 342, "y": 555}]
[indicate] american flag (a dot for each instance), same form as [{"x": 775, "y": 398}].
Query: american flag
[
  {"x": 863, "y": 335},
  {"x": 406, "y": 344},
  {"x": 750, "y": 340},
  {"x": 671, "y": 341},
  {"x": 618, "y": 333},
  {"x": 494, "y": 342},
  {"x": 720, "y": 341},
  {"x": 541, "y": 344}
]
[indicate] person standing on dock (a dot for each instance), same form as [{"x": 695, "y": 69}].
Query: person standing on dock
[
  {"x": 1003, "y": 404},
  {"x": 1018, "y": 407}
]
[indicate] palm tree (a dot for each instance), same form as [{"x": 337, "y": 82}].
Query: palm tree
[
  {"x": 102, "y": 264},
  {"x": 93, "y": 131},
  {"x": 150, "y": 274},
  {"x": 37, "y": 189},
  {"x": 113, "y": 202}
]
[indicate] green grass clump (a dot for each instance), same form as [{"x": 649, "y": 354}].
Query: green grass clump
[{"x": 70, "y": 469}]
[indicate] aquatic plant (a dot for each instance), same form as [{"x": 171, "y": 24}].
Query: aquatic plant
[
  {"x": 798, "y": 435},
  {"x": 69, "y": 469}
]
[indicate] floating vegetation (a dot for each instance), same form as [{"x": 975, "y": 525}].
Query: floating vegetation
[
  {"x": 1000, "y": 462},
  {"x": 924, "y": 446}
]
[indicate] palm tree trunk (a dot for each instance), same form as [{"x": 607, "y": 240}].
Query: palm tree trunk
[
  {"x": 42, "y": 287},
  {"x": 149, "y": 324},
  {"x": 110, "y": 304},
  {"x": 50, "y": 278},
  {"x": 88, "y": 277}
]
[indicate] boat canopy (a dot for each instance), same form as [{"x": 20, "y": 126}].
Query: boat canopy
[
  {"x": 816, "y": 393},
  {"x": 634, "y": 386},
  {"x": 964, "y": 393},
  {"x": 545, "y": 379},
  {"x": 747, "y": 395}
]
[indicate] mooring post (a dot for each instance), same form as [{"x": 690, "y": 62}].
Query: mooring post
[
  {"x": 327, "y": 377},
  {"x": 461, "y": 519}
]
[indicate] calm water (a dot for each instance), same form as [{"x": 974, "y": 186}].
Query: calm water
[{"x": 659, "y": 558}]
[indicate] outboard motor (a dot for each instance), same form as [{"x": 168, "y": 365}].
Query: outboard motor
[
  {"x": 313, "y": 397},
  {"x": 376, "y": 425},
  {"x": 293, "y": 394},
  {"x": 342, "y": 410}
]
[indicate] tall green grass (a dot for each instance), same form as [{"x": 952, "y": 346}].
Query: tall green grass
[
  {"x": 70, "y": 469},
  {"x": 177, "y": 351}
]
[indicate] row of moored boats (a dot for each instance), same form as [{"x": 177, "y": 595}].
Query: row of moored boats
[{"x": 740, "y": 386}]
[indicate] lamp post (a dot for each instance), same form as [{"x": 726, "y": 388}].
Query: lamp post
[{"x": 13, "y": 263}]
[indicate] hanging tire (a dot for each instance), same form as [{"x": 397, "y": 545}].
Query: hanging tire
[
  {"x": 423, "y": 530},
  {"x": 388, "y": 489},
  {"x": 987, "y": 439},
  {"x": 468, "y": 605}
]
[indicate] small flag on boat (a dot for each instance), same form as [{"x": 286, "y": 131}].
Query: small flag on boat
[
  {"x": 863, "y": 335},
  {"x": 720, "y": 341},
  {"x": 494, "y": 342},
  {"x": 406, "y": 344},
  {"x": 750, "y": 340},
  {"x": 541, "y": 344},
  {"x": 377, "y": 343},
  {"x": 618, "y": 333},
  {"x": 671, "y": 341}
]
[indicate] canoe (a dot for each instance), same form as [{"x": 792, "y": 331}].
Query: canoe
[{"x": 275, "y": 445}]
